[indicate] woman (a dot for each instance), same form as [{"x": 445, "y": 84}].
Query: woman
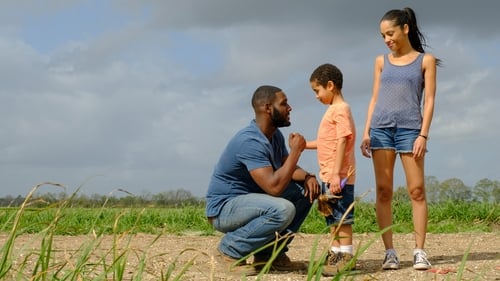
[{"x": 396, "y": 124}]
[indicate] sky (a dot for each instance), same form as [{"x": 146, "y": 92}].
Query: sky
[{"x": 144, "y": 95}]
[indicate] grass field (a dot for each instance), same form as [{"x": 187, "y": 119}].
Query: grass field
[
  {"x": 443, "y": 218},
  {"x": 123, "y": 223}
]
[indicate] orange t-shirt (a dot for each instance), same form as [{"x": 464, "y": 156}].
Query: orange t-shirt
[{"x": 337, "y": 122}]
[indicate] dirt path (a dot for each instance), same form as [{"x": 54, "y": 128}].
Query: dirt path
[{"x": 445, "y": 251}]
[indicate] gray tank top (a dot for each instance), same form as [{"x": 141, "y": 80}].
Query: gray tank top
[{"x": 399, "y": 96}]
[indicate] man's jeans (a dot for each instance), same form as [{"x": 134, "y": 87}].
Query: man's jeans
[{"x": 251, "y": 221}]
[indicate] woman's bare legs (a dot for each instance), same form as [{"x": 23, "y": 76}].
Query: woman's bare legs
[
  {"x": 383, "y": 164},
  {"x": 414, "y": 171}
]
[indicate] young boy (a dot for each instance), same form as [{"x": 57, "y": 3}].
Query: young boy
[{"x": 335, "y": 149}]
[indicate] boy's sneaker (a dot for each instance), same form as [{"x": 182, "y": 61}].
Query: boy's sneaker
[
  {"x": 420, "y": 261},
  {"x": 391, "y": 261},
  {"x": 336, "y": 262}
]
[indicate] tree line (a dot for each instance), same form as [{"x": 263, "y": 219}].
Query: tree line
[
  {"x": 454, "y": 190},
  {"x": 171, "y": 198}
]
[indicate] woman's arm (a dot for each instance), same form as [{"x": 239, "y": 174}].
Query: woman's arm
[
  {"x": 365, "y": 143},
  {"x": 429, "y": 69}
]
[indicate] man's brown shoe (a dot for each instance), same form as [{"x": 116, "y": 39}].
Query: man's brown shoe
[
  {"x": 336, "y": 262},
  {"x": 281, "y": 263},
  {"x": 233, "y": 267}
]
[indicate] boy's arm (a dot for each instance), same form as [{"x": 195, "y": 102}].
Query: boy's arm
[
  {"x": 339, "y": 159},
  {"x": 312, "y": 144}
]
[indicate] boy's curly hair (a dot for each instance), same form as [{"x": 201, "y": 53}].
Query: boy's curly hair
[{"x": 327, "y": 72}]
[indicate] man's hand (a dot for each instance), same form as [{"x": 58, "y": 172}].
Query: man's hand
[
  {"x": 312, "y": 188},
  {"x": 297, "y": 142}
]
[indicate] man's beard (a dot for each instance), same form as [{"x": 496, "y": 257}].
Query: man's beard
[{"x": 278, "y": 119}]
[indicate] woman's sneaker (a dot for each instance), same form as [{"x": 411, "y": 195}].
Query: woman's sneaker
[
  {"x": 420, "y": 261},
  {"x": 391, "y": 261}
]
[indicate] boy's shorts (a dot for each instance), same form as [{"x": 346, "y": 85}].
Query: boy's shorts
[
  {"x": 398, "y": 139},
  {"x": 341, "y": 206}
]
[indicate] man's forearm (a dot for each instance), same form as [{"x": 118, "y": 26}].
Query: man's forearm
[{"x": 300, "y": 174}]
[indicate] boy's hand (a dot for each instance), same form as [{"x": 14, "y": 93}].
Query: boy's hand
[{"x": 335, "y": 184}]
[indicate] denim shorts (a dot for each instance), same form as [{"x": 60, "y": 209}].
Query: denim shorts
[
  {"x": 341, "y": 206},
  {"x": 399, "y": 139}
]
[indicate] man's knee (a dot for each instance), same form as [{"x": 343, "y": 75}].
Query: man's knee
[{"x": 284, "y": 212}]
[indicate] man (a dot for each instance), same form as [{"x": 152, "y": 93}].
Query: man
[{"x": 257, "y": 189}]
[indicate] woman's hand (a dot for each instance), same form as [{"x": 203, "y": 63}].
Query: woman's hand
[
  {"x": 365, "y": 147},
  {"x": 419, "y": 147}
]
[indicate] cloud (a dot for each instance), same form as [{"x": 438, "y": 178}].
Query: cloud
[{"x": 146, "y": 95}]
